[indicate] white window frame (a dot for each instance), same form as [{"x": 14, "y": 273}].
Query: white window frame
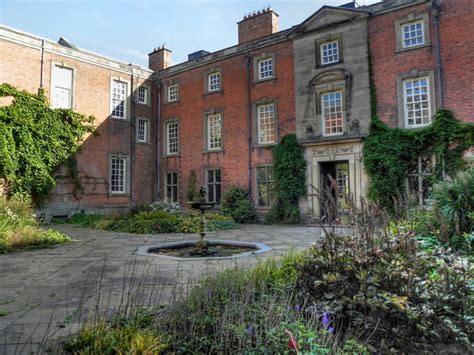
[
  {"x": 145, "y": 130},
  {"x": 262, "y": 75},
  {"x": 420, "y": 102},
  {"x": 214, "y": 136},
  {"x": 124, "y": 175},
  {"x": 55, "y": 65},
  {"x": 402, "y": 34},
  {"x": 172, "y": 92},
  {"x": 336, "y": 55},
  {"x": 113, "y": 81},
  {"x": 216, "y": 85},
  {"x": 146, "y": 96},
  {"x": 261, "y": 116},
  {"x": 175, "y": 145},
  {"x": 323, "y": 115}
]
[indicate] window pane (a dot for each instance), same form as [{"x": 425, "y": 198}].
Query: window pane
[
  {"x": 119, "y": 93},
  {"x": 266, "y": 124},
  {"x": 332, "y": 113},
  {"x": 218, "y": 193},
  {"x": 210, "y": 192}
]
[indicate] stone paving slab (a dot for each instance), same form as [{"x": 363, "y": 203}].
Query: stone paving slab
[{"x": 47, "y": 292}]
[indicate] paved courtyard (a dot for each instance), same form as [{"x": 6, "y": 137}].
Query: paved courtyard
[{"x": 44, "y": 294}]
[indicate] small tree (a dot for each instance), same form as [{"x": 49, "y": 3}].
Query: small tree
[{"x": 289, "y": 168}]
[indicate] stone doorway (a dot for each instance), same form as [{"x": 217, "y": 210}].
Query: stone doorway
[{"x": 335, "y": 189}]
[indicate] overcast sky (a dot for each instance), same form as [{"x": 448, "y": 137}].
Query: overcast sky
[{"x": 128, "y": 30}]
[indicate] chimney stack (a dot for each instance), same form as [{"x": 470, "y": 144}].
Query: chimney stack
[
  {"x": 258, "y": 24},
  {"x": 159, "y": 59}
]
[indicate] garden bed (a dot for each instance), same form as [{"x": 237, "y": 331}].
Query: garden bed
[{"x": 19, "y": 229}]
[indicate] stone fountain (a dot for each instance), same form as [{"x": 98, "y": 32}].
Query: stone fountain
[{"x": 201, "y": 248}]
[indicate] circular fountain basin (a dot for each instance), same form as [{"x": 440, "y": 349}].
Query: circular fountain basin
[{"x": 219, "y": 249}]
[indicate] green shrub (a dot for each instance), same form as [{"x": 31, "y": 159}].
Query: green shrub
[
  {"x": 237, "y": 205},
  {"x": 452, "y": 203},
  {"x": 133, "y": 335},
  {"x": 386, "y": 287},
  {"x": 152, "y": 222},
  {"x": 289, "y": 167}
]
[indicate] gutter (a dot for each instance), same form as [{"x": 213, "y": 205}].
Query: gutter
[
  {"x": 436, "y": 8},
  {"x": 132, "y": 134},
  {"x": 158, "y": 142},
  {"x": 249, "y": 62}
]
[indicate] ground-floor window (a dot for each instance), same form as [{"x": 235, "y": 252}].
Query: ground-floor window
[
  {"x": 118, "y": 175},
  {"x": 171, "y": 187},
  {"x": 419, "y": 179},
  {"x": 265, "y": 185},
  {"x": 214, "y": 185}
]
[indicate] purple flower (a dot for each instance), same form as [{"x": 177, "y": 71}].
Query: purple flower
[
  {"x": 209, "y": 295},
  {"x": 250, "y": 329},
  {"x": 326, "y": 322},
  {"x": 297, "y": 308}
]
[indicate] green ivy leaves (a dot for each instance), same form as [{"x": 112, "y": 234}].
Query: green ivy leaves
[{"x": 35, "y": 140}]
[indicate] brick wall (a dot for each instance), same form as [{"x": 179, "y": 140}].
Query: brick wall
[
  {"x": 233, "y": 102},
  {"x": 260, "y": 24},
  {"x": 91, "y": 97},
  {"x": 388, "y": 64},
  {"x": 457, "y": 53}
]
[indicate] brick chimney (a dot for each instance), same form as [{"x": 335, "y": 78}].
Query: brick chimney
[
  {"x": 159, "y": 59},
  {"x": 259, "y": 24}
]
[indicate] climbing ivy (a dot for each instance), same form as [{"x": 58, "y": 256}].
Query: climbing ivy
[
  {"x": 388, "y": 152},
  {"x": 35, "y": 140},
  {"x": 289, "y": 169}
]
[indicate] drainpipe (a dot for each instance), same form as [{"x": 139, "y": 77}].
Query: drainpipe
[
  {"x": 132, "y": 135},
  {"x": 249, "y": 61},
  {"x": 42, "y": 64},
  {"x": 158, "y": 142},
  {"x": 436, "y": 8}
]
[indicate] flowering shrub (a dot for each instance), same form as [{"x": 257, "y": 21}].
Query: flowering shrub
[{"x": 170, "y": 207}]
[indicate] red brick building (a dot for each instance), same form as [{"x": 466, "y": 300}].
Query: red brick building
[
  {"x": 438, "y": 49},
  {"x": 117, "y": 167},
  {"x": 221, "y": 113}
]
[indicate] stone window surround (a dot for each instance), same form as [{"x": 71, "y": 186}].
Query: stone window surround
[
  {"x": 321, "y": 86},
  {"x": 255, "y": 104},
  {"x": 206, "y": 149},
  {"x": 165, "y": 185},
  {"x": 424, "y": 16},
  {"x": 165, "y": 136},
  {"x": 329, "y": 38},
  {"x": 147, "y": 131},
  {"x": 256, "y": 60},
  {"x": 148, "y": 95},
  {"x": 206, "y": 81},
  {"x": 432, "y": 94},
  {"x": 74, "y": 70},
  {"x": 127, "y": 174},
  {"x": 127, "y": 99},
  {"x": 166, "y": 86}
]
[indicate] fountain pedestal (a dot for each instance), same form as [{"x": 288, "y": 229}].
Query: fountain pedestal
[{"x": 202, "y": 246}]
